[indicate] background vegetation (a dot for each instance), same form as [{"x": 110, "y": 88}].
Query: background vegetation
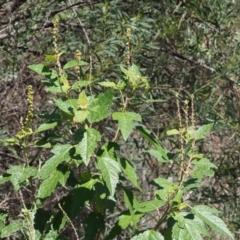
[{"x": 185, "y": 47}]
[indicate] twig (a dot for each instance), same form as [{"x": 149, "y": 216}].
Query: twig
[
  {"x": 80, "y": 22},
  {"x": 198, "y": 63},
  {"x": 69, "y": 220}
]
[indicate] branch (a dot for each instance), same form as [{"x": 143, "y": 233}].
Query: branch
[
  {"x": 54, "y": 12},
  {"x": 180, "y": 56}
]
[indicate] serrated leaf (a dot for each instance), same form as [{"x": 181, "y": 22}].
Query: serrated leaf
[
  {"x": 51, "y": 235},
  {"x": 4, "y": 179},
  {"x": 65, "y": 84},
  {"x": 146, "y": 134},
  {"x": 81, "y": 115},
  {"x": 203, "y": 168},
  {"x": 185, "y": 233},
  {"x": 205, "y": 213},
  {"x": 66, "y": 105},
  {"x": 196, "y": 226},
  {"x": 74, "y": 63},
  {"x": 132, "y": 220},
  {"x": 94, "y": 222},
  {"x": 134, "y": 76},
  {"x": 99, "y": 108},
  {"x": 110, "y": 170},
  {"x": 20, "y": 174},
  {"x": 45, "y": 126},
  {"x": 130, "y": 200},
  {"x": 148, "y": 235},
  {"x": 164, "y": 183},
  {"x": 202, "y": 131},
  {"x": 88, "y": 144},
  {"x": 160, "y": 154},
  {"x": 167, "y": 188},
  {"x": 48, "y": 185},
  {"x": 13, "y": 227},
  {"x": 61, "y": 154},
  {"x": 82, "y": 101},
  {"x": 126, "y": 122},
  {"x": 129, "y": 171},
  {"x": 132, "y": 73},
  {"x": 149, "y": 206},
  {"x": 81, "y": 196}
]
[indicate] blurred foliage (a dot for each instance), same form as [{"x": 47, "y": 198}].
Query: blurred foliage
[{"x": 185, "y": 47}]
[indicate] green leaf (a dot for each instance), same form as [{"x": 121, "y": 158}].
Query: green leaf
[
  {"x": 146, "y": 134},
  {"x": 52, "y": 235},
  {"x": 132, "y": 73},
  {"x": 66, "y": 105},
  {"x": 132, "y": 220},
  {"x": 20, "y": 174},
  {"x": 149, "y": 206},
  {"x": 13, "y": 227},
  {"x": 164, "y": 183},
  {"x": 134, "y": 76},
  {"x": 203, "y": 168},
  {"x": 202, "y": 131},
  {"x": 40, "y": 69},
  {"x": 190, "y": 228},
  {"x": 205, "y": 213},
  {"x": 81, "y": 196},
  {"x": 148, "y": 235},
  {"x": 82, "y": 101},
  {"x": 64, "y": 83},
  {"x": 88, "y": 144},
  {"x": 130, "y": 200},
  {"x": 160, "y": 154},
  {"x": 129, "y": 171},
  {"x": 172, "y": 132},
  {"x": 61, "y": 154},
  {"x": 167, "y": 188},
  {"x": 48, "y": 185},
  {"x": 81, "y": 115},
  {"x": 4, "y": 178},
  {"x": 45, "y": 126},
  {"x": 99, "y": 108},
  {"x": 108, "y": 84},
  {"x": 74, "y": 63},
  {"x": 110, "y": 170},
  {"x": 126, "y": 122},
  {"x": 95, "y": 222},
  {"x": 51, "y": 58}
]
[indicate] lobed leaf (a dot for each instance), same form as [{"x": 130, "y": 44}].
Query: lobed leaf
[
  {"x": 126, "y": 122},
  {"x": 132, "y": 220},
  {"x": 99, "y": 108},
  {"x": 203, "y": 168}
]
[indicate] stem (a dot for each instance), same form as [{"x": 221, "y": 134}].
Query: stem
[{"x": 164, "y": 216}]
